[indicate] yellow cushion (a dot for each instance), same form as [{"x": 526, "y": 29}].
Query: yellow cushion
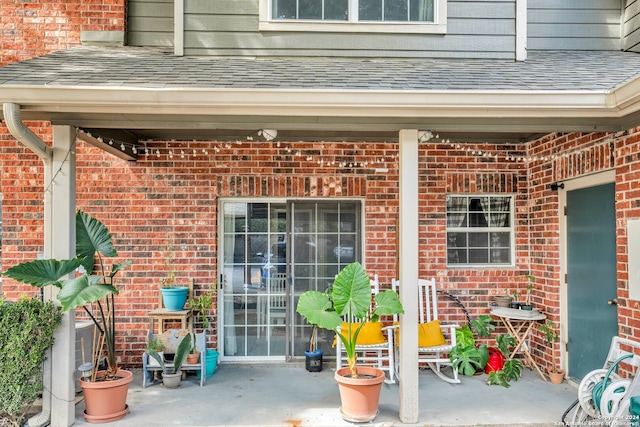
[
  {"x": 430, "y": 334},
  {"x": 371, "y": 332}
]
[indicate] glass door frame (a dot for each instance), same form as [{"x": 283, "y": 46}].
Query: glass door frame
[{"x": 315, "y": 234}]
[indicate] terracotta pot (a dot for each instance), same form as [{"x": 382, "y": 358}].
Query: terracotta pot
[
  {"x": 172, "y": 380},
  {"x": 193, "y": 357},
  {"x": 106, "y": 401},
  {"x": 359, "y": 396},
  {"x": 556, "y": 377}
]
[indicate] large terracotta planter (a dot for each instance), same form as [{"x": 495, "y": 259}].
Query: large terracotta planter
[
  {"x": 106, "y": 401},
  {"x": 359, "y": 396}
]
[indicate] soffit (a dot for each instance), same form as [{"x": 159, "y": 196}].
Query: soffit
[{"x": 152, "y": 94}]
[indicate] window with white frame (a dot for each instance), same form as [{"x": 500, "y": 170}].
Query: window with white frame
[
  {"x": 480, "y": 230},
  {"x": 416, "y": 16},
  {"x": 358, "y": 11}
]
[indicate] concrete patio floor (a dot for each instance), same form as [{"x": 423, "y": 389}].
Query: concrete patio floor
[{"x": 288, "y": 395}]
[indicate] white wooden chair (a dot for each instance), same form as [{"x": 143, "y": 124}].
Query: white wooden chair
[
  {"x": 437, "y": 356},
  {"x": 381, "y": 355},
  {"x": 277, "y": 307}
]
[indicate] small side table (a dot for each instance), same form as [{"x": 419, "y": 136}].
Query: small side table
[
  {"x": 161, "y": 314},
  {"x": 519, "y": 326}
]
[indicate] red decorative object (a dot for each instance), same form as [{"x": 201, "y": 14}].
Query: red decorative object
[{"x": 496, "y": 361}]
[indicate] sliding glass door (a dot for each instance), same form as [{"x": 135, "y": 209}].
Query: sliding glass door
[{"x": 272, "y": 251}]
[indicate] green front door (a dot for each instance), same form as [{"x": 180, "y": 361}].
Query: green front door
[{"x": 591, "y": 277}]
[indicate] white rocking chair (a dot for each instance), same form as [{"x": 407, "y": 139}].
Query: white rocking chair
[{"x": 436, "y": 357}]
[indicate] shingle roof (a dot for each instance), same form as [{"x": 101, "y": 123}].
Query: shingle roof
[{"x": 151, "y": 68}]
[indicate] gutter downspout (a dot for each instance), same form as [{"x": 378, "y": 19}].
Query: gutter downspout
[{"x": 22, "y": 133}]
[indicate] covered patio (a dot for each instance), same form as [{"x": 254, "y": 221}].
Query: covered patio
[{"x": 243, "y": 395}]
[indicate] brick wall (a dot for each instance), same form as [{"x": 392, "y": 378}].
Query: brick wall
[
  {"x": 165, "y": 198},
  {"x": 37, "y": 27},
  {"x": 170, "y": 199}
]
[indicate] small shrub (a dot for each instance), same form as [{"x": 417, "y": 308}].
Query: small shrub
[{"x": 26, "y": 333}]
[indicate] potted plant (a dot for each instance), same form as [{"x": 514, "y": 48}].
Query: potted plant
[
  {"x": 551, "y": 336},
  {"x": 503, "y": 300},
  {"x": 313, "y": 355},
  {"x": 349, "y": 300},
  {"x": 200, "y": 305},
  {"x": 530, "y": 286},
  {"x": 515, "y": 294},
  {"x": 158, "y": 346},
  {"x": 172, "y": 374},
  {"x": 511, "y": 369},
  {"x": 194, "y": 352},
  {"x": 95, "y": 294},
  {"x": 174, "y": 296},
  {"x": 467, "y": 357}
]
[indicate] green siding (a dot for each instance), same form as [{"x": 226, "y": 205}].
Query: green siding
[
  {"x": 573, "y": 24},
  {"x": 631, "y": 26},
  {"x": 476, "y": 29},
  {"x": 150, "y": 23}
]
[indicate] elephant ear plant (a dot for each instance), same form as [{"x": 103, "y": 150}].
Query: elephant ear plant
[
  {"x": 348, "y": 300},
  {"x": 93, "y": 292}
]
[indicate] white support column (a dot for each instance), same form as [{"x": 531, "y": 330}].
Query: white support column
[
  {"x": 521, "y": 30},
  {"x": 408, "y": 256},
  {"x": 178, "y": 27},
  {"x": 60, "y": 243}
]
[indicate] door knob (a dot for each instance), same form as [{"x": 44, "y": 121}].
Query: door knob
[{"x": 612, "y": 302}]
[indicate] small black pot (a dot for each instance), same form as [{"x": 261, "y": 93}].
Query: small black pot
[
  {"x": 313, "y": 361},
  {"x": 515, "y": 305}
]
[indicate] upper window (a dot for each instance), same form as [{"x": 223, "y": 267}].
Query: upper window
[
  {"x": 415, "y": 16},
  {"x": 356, "y": 11},
  {"x": 479, "y": 230}
]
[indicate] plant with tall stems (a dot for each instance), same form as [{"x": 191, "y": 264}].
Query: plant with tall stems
[
  {"x": 349, "y": 299},
  {"x": 94, "y": 290}
]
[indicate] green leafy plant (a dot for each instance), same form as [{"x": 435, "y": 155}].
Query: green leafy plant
[
  {"x": 27, "y": 329},
  {"x": 200, "y": 306},
  {"x": 349, "y": 298},
  {"x": 530, "y": 287},
  {"x": 178, "y": 359},
  {"x": 94, "y": 292},
  {"x": 169, "y": 263},
  {"x": 194, "y": 347},
  {"x": 551, "y": 336},
  {"x": 512, "y": 368},
  {"x": 466, "y": 356},
  {"x": 156, "y": 344}
]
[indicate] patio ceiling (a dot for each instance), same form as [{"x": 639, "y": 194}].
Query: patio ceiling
[{"x": 133, "y": 94}]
